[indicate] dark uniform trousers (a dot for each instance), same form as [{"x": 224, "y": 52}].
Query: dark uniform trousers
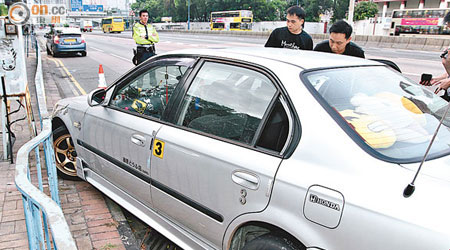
[{"x": 144, "y": 53}]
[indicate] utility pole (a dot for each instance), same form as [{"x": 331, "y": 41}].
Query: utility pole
[
  {"x": 189, "y": 14},
  {"x": 351, "y": 9}
]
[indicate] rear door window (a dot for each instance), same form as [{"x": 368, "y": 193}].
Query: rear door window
[{"x": 227, "y": 101}]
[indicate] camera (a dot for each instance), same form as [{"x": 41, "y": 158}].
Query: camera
[{"x": 444, "y": 54}]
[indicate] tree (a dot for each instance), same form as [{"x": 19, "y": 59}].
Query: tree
[
  {"x": 314, "y": 8},
  {"x": 340, "y": 8},
  {"x": 3, "y": 10},
  {"x": 365, "y": 10}
]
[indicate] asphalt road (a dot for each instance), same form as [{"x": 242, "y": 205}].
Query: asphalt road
[{"x": 114, "y": 52}]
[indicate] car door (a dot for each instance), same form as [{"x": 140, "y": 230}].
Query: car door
[
  {"x": 119, "y": 135},
  {"x": 215, "y": 163}
]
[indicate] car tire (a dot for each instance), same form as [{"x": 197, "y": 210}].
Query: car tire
[
  {"x": 83, "y": 53},
  {"x": 54, "y": 54},
  {"x": 65, "y": 154},
  {"x": 271, "y": 241},
  {"x": 48, "y": 51}
]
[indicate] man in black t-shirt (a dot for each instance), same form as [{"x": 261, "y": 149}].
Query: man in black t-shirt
[
  {"x": 292, "y": 36},
  {"x": 339, "y": 42}
]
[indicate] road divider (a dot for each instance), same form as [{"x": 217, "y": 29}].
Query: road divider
[{"x": 409, "y": 42}]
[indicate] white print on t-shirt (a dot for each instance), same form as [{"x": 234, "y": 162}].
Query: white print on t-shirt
[{"x": 292, "y": 45}]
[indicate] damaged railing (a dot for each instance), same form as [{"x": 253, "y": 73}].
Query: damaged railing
[{"x": 42, "y": 213}]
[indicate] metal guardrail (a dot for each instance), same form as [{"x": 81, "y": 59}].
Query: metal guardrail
[{"x": 42, "y": 212}]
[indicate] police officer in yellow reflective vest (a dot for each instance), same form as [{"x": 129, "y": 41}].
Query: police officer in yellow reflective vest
[{"x": 145, "y": 36}]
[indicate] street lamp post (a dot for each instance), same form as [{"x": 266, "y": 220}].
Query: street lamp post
[
  {"x": 189, "y": 14},
  {"x": 351, "y": 9}
]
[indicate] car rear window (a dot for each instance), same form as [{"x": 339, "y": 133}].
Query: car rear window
[{"x": 394, "y": 117}]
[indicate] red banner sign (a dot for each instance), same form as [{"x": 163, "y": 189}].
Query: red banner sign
[{"x": 420, "y": 21}]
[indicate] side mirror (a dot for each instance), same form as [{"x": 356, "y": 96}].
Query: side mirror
[{"x": 96, "y": 97}]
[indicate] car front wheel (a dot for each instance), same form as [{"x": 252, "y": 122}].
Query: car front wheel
[
  {"x": 65, "y": 154},
  {"x": 272, "y": 242}
]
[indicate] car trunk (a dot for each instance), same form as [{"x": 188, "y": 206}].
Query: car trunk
[{"x": 70, "y": 39}]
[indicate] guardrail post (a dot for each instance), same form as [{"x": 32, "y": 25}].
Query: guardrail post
[{"x": 51, "y": 172}]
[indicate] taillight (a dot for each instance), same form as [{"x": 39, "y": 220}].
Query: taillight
[
  {"x": 56, "y": 39},
  {"x": 82, "y": 39}
]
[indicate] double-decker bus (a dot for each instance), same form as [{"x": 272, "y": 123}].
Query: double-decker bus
[
  {"x": 232, "y": 20},
  {"x": 418, "y": 21},
  {"x": 113, "y": 24}
]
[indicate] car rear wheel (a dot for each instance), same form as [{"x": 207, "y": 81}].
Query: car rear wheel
[
  {"x": 83, "y": 53},
  {"x": 65, "y": 154},
  {"x": 48, "y": 51},
  {"x": 54, "y": 53},
  {"x": 272, "y": 242}
]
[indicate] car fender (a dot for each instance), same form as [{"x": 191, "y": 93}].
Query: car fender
[
  {"x": 71, "y": 112},
  {"x": 267, "y": 217}
]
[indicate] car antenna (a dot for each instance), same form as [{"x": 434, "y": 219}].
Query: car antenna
[{"x": 409, "y": 190}]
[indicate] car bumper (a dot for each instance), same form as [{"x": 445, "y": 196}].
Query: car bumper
[{"x": 70, "y": 48}]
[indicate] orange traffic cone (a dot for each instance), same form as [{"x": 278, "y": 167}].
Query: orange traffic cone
[{"x": 101, "y": 78}]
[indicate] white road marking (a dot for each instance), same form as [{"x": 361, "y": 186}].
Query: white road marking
[
  {"x": 120, "y": 57},
  {"x": 96, "y": 49}
]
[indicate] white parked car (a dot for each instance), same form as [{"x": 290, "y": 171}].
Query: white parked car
[{"x": 261, "y": 148}]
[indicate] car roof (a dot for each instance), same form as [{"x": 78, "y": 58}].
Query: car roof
[
  {"x": 305, "y": 59},
  {"x": 66, "y": 30}
]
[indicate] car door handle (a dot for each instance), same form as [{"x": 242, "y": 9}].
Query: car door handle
[
  {"x": 246, "y": 179},
  {"x": 138, "y": 140}
]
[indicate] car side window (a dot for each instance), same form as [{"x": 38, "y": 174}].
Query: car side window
[
  {"x": 227, "y": 101},
  {"x": 149, "y": 93}
]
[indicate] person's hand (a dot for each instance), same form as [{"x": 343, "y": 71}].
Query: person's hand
[
  {"x": 428, "y": 82},
  {"x": 434, "y": 80},
  {"x": 446, "y": 60},
  {"x": 442, "y": 85}
]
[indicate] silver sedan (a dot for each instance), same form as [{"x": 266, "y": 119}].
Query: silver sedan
[{"x": 261, "y": 148}]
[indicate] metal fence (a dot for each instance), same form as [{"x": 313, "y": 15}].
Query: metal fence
[{"x": 46, "y": 225}]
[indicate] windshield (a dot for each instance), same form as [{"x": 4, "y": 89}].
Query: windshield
[{"x": 391, "y": 114}]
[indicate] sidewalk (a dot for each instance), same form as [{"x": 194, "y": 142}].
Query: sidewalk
[{"x": 89, "y": 218}]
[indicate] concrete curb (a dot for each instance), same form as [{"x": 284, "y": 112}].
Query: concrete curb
[{"x": 126, "y": 234}]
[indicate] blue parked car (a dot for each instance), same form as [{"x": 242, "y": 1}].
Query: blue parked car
[{"x": 65, "y": 40}]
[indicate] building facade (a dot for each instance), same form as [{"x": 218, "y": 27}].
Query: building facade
[{"x": 385, "y": 7}]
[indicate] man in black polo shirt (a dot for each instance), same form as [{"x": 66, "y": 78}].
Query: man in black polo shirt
[
  {"x": 292, "y": 36},
  {"x": 339, "y": 42}
]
